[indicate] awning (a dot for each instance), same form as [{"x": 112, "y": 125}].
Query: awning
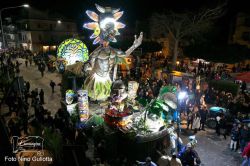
[{"x": 243, "y": 77}]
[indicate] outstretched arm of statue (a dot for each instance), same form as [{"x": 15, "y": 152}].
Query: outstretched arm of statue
[
  {"x": 137, "y": 43},
  {"x": 88, "y": 66}
]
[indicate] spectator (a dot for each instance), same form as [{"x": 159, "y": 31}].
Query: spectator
[
  {"x": 190, "y": 157},
  {"x": 217, "y": 128},
  {"x": 234, "y": 137},
  {"x": 41, "y": 68},
  {"x": 190, "y": 119},
  {"x": 203, "y": 113},
  {"x": 52, "y": 85},
  {"x": 26, "y": 62},
  {"x": 246, "y": 155},
  {"x": 30, "y": 60},
  {"x": 175, "y": 161},
  {"x": 27, "y": 86},
  {"x": 222, "y": 126},
  {"x": 41, "y": 96},
  {"x": 196, "y": 121},
  {"x": 244, "y": 137},
  {"x": 13, "y": 125},
  {"x": 243, "y": 86}
]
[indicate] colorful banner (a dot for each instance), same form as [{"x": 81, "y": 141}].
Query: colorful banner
[{"x": 83, "y": 105}]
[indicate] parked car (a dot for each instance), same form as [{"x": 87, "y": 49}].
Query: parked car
[
  {"x": 231, "y": 116},
  {"x": 214, "y": 111}
]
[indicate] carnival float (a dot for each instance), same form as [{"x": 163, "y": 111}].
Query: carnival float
[{"x": 104, "y": 100}]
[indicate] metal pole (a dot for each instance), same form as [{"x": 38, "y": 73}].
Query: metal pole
[{"x": 2, "y": 28}]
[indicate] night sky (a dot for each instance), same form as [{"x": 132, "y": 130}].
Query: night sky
[{"x": 134, "y": 9}]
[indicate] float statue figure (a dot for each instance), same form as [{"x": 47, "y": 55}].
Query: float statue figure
[{"x": 104, "y": 58}]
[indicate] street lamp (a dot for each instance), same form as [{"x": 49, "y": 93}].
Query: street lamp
[
  {"x": 26, "y": 5},
  {"x": 6, "y": 8},
  {"x": 180, "y": 97},
  {"x": 59, "y": 21}
]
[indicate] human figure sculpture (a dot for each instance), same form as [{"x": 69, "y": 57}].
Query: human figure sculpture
[{"x": 104, "y": 58}]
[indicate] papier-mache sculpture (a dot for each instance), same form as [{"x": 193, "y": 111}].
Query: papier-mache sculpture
[{"x": 104, "y": 58}]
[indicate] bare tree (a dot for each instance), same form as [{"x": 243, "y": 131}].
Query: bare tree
[{"x": 180, "y": 26}]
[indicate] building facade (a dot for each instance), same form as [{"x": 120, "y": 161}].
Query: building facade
[
  {"x": 10, "y": 33},
  {"x": 43, "y": 32}
]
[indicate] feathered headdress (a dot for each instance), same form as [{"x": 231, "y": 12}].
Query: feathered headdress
[{"x": 105, "y": 25}]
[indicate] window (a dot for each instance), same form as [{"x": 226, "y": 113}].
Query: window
[
  {"x": 38, "y": 25},
  {"x": 23, "y": 37},
  {"x": 12, "y": 37}
]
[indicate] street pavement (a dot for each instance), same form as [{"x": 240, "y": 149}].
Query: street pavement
[
  {"x": 212, "y": 149},
  {"x": 31, "y": 74}
]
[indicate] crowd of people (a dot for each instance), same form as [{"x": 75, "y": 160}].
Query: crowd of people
[{"x": 195, "y": 110}]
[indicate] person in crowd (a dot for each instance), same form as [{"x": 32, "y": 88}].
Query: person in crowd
[
  {"x": 27, "y": 85},
  {"x": 190, "y": 156},
  {"x": 148, "y": 162},
  {"x": 234, "y": 137},
  {"x": 244, "y": 137},
  {"x": 52, "y": 85},
  {"x": 26, "y": 62},
  {"x": 174, "y": 161},
  {"x": 190, "y": 119},
  {"x": 246, "y": 155},
  {"x": 243, "y": 86},
  {"x": 217, "y": 128},
  {"x": 196, "y": 120},
  {"x": 41, "y": 68},
  {"x": 41, "y": 96},
  {"x": 48, "y": 120},
  {"x": 13, "y": 125},
  {"x": 223, "y": 126},
  {"x": 203, "y": 113}
]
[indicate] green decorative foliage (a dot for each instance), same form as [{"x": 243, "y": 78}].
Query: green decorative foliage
[
  {"x": 143, "y": 101},
  {"x": 101, "y": 90},
  {"x": 167, "y": 89},
  {"x": 95, "y": 120},
  {"x": 157, "y": 107}
]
